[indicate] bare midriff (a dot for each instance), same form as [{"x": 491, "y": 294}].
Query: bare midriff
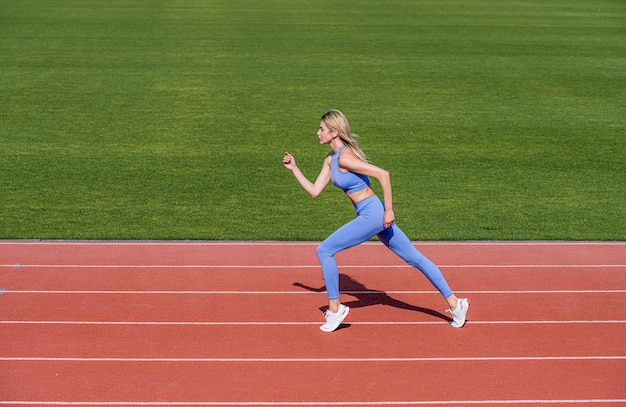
[{"x": 358, "y": 196}]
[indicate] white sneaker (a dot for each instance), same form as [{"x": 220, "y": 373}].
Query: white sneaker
[
  {"x": 334, "y": 320},
  {"x": 460, "y": 313}
]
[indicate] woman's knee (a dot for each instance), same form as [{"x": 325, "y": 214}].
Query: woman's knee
[{"x": 323, "y": 250}]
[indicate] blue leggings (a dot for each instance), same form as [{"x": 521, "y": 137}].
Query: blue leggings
[{"x": 369, "y": 222}]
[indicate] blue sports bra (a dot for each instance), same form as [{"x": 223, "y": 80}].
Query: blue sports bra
[{"x": 348, "y": 181}]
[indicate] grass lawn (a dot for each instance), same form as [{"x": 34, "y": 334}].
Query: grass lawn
[{"x": 127, "y": 119}]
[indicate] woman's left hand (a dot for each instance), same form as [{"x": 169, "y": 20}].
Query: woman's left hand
[{"x": 388, "y": 218}]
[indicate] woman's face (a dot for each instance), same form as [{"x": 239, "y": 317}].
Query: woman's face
[{"x": 324, "y": 134}]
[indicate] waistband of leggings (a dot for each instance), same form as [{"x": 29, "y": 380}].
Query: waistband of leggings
[{"x": 367, "y": 201}]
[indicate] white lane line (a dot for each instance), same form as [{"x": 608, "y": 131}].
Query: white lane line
[
  {"x": 303, "y": 360},
  {"x": 311, "y": 266},
  {"x": 233, "y": 292},
  {"x": 26, "y": 242},
  {"x": 313, "y": 403},
  {"x": 278, "y": 323}
]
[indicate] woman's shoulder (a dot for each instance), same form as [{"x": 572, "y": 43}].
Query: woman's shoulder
[{"x": 348, "y": 153}]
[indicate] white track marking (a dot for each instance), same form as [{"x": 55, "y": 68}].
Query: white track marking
[
  {"x": 279, "y": 323},
  {"x": 304, "y": 360},
  {"x": 312, "y": 403},
  {"x": 232, "y": 292},
  {"x": 294, "y": 243},
  {"x": 312, "y": 266}
]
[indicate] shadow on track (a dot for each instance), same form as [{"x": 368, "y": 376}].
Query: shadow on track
[{"x": 366, "y": 297}]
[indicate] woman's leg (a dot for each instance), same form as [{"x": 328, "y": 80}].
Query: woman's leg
[
  {"x": 397, "y": 241},
  {"x": 400, "y": 244},
  {"x": 365, "y": 225}
]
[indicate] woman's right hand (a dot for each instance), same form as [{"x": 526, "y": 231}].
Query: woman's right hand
[{"x": 289, "y": 162}]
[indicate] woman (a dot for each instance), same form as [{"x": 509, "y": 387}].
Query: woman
[{"x": 348, "y": 169}]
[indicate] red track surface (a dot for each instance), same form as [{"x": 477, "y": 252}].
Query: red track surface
[{"x": 231, "y": 324}]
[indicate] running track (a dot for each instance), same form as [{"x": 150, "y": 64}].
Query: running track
[{"x": 236, "y": 324}]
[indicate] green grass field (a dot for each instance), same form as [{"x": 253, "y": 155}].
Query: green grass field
[{"x": 128, "y": 119}]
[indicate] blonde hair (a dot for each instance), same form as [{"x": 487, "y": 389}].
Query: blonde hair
[{"x": 337, "y": 121}]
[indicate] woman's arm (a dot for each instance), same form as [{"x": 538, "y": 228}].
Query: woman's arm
[
  {"x": 313, "y": 189},
  {"x": 351, "y": 162}
]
